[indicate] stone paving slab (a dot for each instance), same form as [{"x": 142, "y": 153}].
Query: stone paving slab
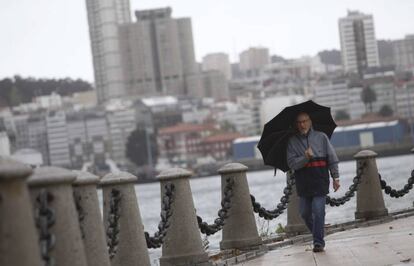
[{"x": 391, "y": 243}]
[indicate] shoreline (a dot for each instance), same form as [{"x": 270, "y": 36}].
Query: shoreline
[{"x": 344, "y": 155}]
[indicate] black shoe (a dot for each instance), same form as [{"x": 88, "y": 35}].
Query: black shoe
[{"x": 317, "y": 248}]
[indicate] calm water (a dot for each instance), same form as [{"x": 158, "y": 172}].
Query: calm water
[{"x": 268, "y": 189}]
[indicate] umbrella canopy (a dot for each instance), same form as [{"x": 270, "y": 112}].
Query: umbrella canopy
[{"x": 276, "y": 133}]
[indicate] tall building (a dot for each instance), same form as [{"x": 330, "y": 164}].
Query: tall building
[
  {"x": 253, "y": 59},
  {"x": 4, "y": 144},
  {"x": 88, "y": 137},
  {"x": 403, "y": 52},
  {"x": 121, "y": 123},
  {"x": 157, "y": 53},
  {"x": 211, "y": 84},
  {"x": 358, "y": 43},
  {"x": 104, "y": 17},
  {"x": 58, "y": 139},
  {"x": 219, "y": 62},
  {"x": 37, "y": 133}
]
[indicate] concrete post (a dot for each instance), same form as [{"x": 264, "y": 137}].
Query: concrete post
[
  {"x": 182, "y": 244},
  {"x": 18, "y": 236},
  {"x": 295, "y": 224},
  {"x": 240, "y": 229},
  {"x": 370, "y": 200},
  {"x": 68, "y": 248},
  {"x": 92, "y": 229},
  {"x": 132, "y": 247},
  {"x": 412, "y": 151}
]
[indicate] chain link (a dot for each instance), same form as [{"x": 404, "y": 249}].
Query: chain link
[
  {"x": 113, "y": 221},
  {"x": 45, "y": 219},
  {"x": 335, "y": 202},
  {"x": 166, "y": 212},
  {"x": 284, "y": 200},
  {"x": 397, "y": 193},
  {"x": 218, "y": 224},
  {"x": 81, "y": 214}
]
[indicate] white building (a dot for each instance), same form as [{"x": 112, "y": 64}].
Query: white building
[
  {"x": 236, "y": 115},
  {"x": 208, "y": 84},
  {"x": 292, "y": 76},
  {"x": 333, "y": 94},
  {"x": 356, "y": 108},
  {"x": 4, "y": 144},
  {"x": 270, "y": 107},
  {"x": 339, "y": 97},
  {"x": 403, "y": 53},
  {"x": 358, "y": 43},
  {"x": 121, "y": 122},
  {"x": 37, "y": 134},
  {"x": 219, "y": 62},
  {"x": 53, "y": 100},
  {"x": 104, "y": 17},
  {"x": 89, "y": 139},
  {"x": 254, "y": 59},
  {"x": 58, "y": 140},
  {"x": 404, "y": 101}
]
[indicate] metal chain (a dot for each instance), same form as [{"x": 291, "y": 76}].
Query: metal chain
[
  {"x": 284, "y": 200},
  {"x": 113, "y": 222},
  {"x": 81, "y": 213},
  {"x": 335, "y": 202},
  {"x": 218, "y": 224},
  {"x": 166, "y": 212},
  {"x": 45, "y": 219},
  {"x": 397, "y": 193}
]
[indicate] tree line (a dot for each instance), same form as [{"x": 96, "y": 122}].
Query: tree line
[{"x": 17, "y": 90}]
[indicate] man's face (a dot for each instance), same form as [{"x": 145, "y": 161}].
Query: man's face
[{"x": 303, "y": 123}]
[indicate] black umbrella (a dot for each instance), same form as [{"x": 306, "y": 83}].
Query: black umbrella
[{"x": 276, "y": 133}]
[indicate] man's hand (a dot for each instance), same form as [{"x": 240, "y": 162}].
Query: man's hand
[
  {"x": 309, "y": 153},
  {"x": 335, "y": 184}
]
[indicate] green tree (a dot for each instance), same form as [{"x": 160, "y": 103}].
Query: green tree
[
  {"x": 227, "y": 126},
  {"x": 342, "y": 115},
  {"x": 386, "y": 110},
  {"x": 17, "y": 90},
  {"x": 368, "y": 96},
  {"x": 14, "y": 97},
  {"x": 137, "y": 148}
]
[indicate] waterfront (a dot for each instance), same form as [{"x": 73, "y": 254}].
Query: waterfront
[{"x": 268, "y": 188}]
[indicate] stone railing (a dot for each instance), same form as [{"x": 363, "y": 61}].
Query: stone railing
[{"x": 51, "y": 216}]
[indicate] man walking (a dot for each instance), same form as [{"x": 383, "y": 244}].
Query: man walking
[{"x": 311, "y": 155}]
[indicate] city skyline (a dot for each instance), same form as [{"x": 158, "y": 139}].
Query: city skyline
[{"x": 47, "y": 42}]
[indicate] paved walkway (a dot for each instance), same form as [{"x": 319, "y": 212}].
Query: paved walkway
[{"x": 390, "y": 243}]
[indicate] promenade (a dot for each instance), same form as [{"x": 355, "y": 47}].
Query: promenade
[{"x": 390, "y": 243}]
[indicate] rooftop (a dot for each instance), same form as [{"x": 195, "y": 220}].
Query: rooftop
[{"x": 227, "y": 136}]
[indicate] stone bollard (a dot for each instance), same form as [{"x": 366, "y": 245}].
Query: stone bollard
[
  {"x": 52, "y": 197},
  {"x": 123, "y": 223},
  {"x": 90, "y": 219},
  {"x": 412, "y": 150},
  {"x": 182, "y": 244},
  {"x": 18, "y": 236},
  {"x": 295, "y": 224},
  {"x": 240, "y": 229},
  {"x": 370, "y": 200}
]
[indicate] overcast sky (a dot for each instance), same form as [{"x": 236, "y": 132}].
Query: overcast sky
[{"x": 50, "y": 39}]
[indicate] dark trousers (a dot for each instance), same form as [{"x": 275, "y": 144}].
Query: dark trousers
[{"x": 312, "y": 210}]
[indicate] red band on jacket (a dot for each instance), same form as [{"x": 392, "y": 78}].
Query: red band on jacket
[{"x": 316, "y": 164}]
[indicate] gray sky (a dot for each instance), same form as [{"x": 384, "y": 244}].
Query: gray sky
[{"x": 50, "y": 39}]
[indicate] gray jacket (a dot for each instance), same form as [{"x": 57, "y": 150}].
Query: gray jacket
[{"x": 320, "y": 145}]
